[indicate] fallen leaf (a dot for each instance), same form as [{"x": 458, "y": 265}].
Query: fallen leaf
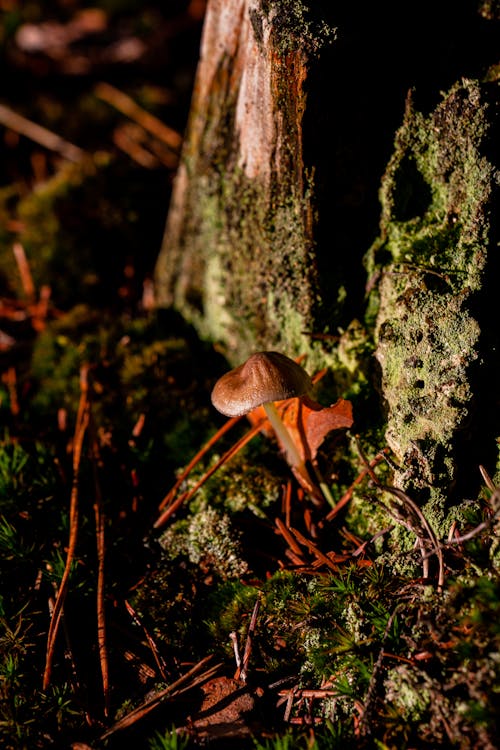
[{"x": 308, "y": 421}]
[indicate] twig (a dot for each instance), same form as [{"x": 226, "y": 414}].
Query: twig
[
  {"x": 24, "y": 271},
  {"x": 189, "y": 494},
  {"x": 123, "y": 138},
  {"x": 487, "y": 479},
  {"x": 364, "y": 727},
  {"x": 242, "y": 674},
  {"x": 9, "y": 377},
  {"x": 101, "y": 550},
  {"x": 234, "y": 640},
  {"x": 416, "y": 512},
  {"x": 80, "y": 430},
  {"x": 193, "y": 678},
  {"x": 320, "y": 556},
  {"x": 404, "y": 498},
  {"x": 68, "y": 650},
  {"x": 349, "y": 492},
  {"x": 182, "y": 476},
  {"x": 477, "y": 529},
  {"x": 288, "y": 536},
  {"x": 287, "y": 502},
  {"x": 160, "y": 663},
  {"x": 127, "y": 106},
  {"x": 40, "y": 135}
]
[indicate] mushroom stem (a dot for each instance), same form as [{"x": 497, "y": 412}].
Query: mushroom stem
[
  {"x": 284, "y": 437},
  {"x": 293, "y": 456}
]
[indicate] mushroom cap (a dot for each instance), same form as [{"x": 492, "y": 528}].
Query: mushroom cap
[{"x": 264, "y": 377}]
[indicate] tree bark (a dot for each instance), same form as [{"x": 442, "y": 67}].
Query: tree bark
[
  {"x": 237, "y": 258},
  {"x": 432, "y": 267}
]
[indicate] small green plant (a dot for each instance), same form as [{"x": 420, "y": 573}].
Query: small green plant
[
  {"x": 329, "y": 736},
  {"x": 171, "y": 740}
]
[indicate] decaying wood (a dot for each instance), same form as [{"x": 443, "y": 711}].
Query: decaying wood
[{"x": 236, "y": 258}]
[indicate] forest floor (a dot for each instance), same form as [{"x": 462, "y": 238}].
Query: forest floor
[{"x": 165, "y": 579}]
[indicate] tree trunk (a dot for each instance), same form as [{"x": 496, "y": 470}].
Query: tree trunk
[
  {"x": 237, "y": 258},
  {"x": 433, "y": 269}
]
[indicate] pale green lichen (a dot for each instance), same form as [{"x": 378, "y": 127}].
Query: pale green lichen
[
  {"x": 296, "y": 27},
  {"x": 207, "y": 538},
  {"x": 430, "y": 260},
  {"x": 405, "y": 693}
]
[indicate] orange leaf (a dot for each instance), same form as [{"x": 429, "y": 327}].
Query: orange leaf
[{"x": 308, "y": 422}]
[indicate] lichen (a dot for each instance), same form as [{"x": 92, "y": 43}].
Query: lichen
[
  {"x": 297, "y": 28},
  {"x": 208, "y": 538},
  {"x": 431, "y": 260}
]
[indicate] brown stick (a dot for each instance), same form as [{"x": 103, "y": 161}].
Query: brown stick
[
  {"x": 187, "y": 682},
  {"x": 80, "y": 429},
  {"x": 152, "y": 645},
  {"x": 24, "y": 271},
  {"x": 349, "y": 492},
  {"x": 101, "y": 550},
  {"x": 242, "y": 674},
  {"x": 188, "y": 495},
  {"x": 40, "y": 135},
  {"x": 314, "y": 550},
  {"x": 131, "y": 109},
  {"x": 182, "y": 476}
]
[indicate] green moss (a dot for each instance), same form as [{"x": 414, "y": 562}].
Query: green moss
[
  {"x": 406, "y": 695},
  {"x": 297, "y": 27},
  {"x": 237, "y": 238},
  {"x": 248, "y": 482},
  {"x": 78, "y": 245},
  {"x": 430, "y": 261}
]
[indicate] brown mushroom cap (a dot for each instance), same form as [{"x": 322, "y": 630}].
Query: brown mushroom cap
[{"x": 264, "y": 377}]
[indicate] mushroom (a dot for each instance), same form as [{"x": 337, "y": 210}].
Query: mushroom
[{"x": 264, "y": 378}]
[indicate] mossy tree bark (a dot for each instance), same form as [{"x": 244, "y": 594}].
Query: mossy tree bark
[
  {"x": 237, "y": 258},
  {"x": 433, "y": 270},
  {"x": 275, "y": 206}
]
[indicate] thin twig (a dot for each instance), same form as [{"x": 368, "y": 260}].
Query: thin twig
[
  {"x": 234, "y": 640},
  {"x": 476, "y": 530},
  {"x": 24, "y": 271},
  {"x": 9, "y": 377},
  {"x": 349, "y": 492},
  {"x": 40, "y": 135},
  {"x": 314, "y": 550},
  {"x": 364, "y": 725},
  {"x": 416, "y": 512},
  {"x": 194, "y": 677},
  {"x": 160, "y": 663},
  {"x": 288, "y": 536},
  {"x": 242, "y": 674},
  {"x": 186, "y": 496},
  {"x": 182, "y": 476},
  {"x": 101, "y": 551},
  {"x": 404, "y": 498},
  {"x": 487, "y": 479},
  {"x": 80, "y": 430},
  {"x": 127, "y": 106}
]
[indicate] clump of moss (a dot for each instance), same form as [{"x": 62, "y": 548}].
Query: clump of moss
[
  {"x": 208, "y": 539},
  {"x": 297, "y": 27}
]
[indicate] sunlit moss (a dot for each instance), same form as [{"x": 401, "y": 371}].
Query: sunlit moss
[
  {"x": 431, "y": 259},
  {"x": 208, "y": 539}
]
